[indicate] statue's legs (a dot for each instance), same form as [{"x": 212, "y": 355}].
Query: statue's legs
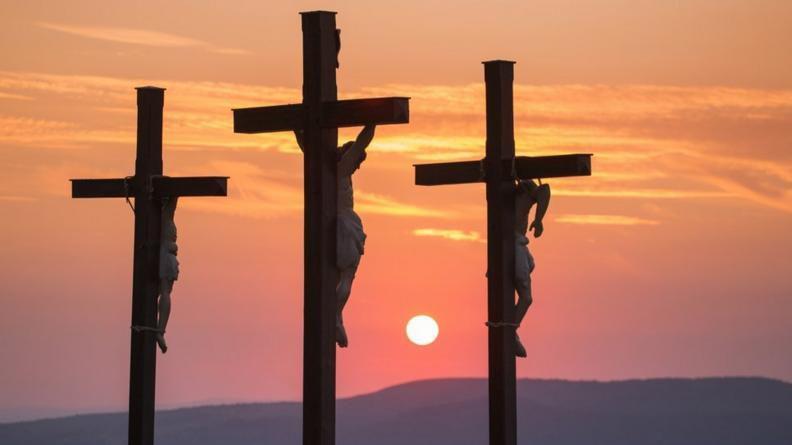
[
  {"x": 351, "y": 240},
  {"x": 166, "y": 286},
  {"x": 343, "y": 290},
  {"x": 524, "y": 301},
  {"x": 524, "y": 265}
]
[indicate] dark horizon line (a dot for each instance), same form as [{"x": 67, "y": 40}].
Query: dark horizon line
[{"x": 220, "y": 403}]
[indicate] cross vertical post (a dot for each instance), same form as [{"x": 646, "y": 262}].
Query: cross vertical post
[
  {"x": 321, "y": 194},
  {"x": 148, "y": 188},
  {"x": 498, "y": 76},
  {"x": 500, "y": 169},
  {"x": 318, "y": 118},
  {"x": 145, "y": 278}
]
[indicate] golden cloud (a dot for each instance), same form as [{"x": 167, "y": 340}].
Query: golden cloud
[
  {"x": 609, "y": 220},
  {"x": 255, "y": 192},
  {"x": 138, "y": 37},
  {"x": 450, "y": 234},
  {"x": 650, "y": 142},
  {"x": 382, "y": 205}
]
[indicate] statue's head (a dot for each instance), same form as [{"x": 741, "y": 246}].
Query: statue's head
[
  {"x": 346, "y": 147},
  {"x": 169, "y": 206}
]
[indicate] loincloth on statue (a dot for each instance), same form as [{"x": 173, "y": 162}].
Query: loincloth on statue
[
  {"x": 168, "y": 266},
  {"x": 351, "y": 239}
]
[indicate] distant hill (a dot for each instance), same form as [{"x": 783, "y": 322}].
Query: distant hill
[{"x": 717, "y": 411}]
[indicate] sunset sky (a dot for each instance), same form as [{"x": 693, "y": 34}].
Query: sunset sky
[{"x": 673, "y": 259}]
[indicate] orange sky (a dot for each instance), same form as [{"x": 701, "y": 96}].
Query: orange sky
[{"x": 673, "y": 259}]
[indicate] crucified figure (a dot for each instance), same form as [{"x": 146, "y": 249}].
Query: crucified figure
[
  {"x": 349, "y": 232},
  {"x": 528, "y": 194},
  {"x": 168, "y": 267}
]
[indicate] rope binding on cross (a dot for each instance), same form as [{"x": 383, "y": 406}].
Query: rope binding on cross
[
  {"x": 501, "y": 324},
  {"x": 146, "y": 329}
]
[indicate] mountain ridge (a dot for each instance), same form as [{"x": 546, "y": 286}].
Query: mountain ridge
[{"x": 712, "y": 410}]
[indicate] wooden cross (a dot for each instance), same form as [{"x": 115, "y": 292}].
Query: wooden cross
[
  {"x": 147, "y": 187},
  {"x": 499, "y": 169},
  {"x": 319, "y": 116}
]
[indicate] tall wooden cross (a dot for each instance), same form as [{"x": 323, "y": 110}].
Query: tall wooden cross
[
  {"x": 499, "y": 170},
  {"x": 148, "y": 186},
  {"x": 319, "y": 116}
]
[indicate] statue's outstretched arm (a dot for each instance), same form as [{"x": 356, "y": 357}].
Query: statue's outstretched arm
[
  {"x": 299, "y": 135},
  {"x": 169, "y": 206},
  {"x": 541, "y": 195},
  {"x": 352, "y": 157},
  {"x": 364, "y": 138}
]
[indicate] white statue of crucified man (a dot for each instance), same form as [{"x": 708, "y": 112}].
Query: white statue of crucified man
[
  {"x": 350, "y": 237},
  {"x": 168, "y": 267},
  {"x": 528, "y": 194}
]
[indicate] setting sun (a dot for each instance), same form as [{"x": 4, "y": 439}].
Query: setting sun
[{"x": 422, "y": 330}]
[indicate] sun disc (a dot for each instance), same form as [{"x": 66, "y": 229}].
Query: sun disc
[{"x": 422, "y": 330}]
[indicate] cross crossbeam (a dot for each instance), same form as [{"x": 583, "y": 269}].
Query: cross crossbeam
[
  {"x": 147, "y": 188},
  {"x": 499, "y": 170},
  {"x": 161, "y": 187},
  {"x": 334, "y": 114},
  {"x": 318, "y": 117},
  {"x": 523, "y": 167}
]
